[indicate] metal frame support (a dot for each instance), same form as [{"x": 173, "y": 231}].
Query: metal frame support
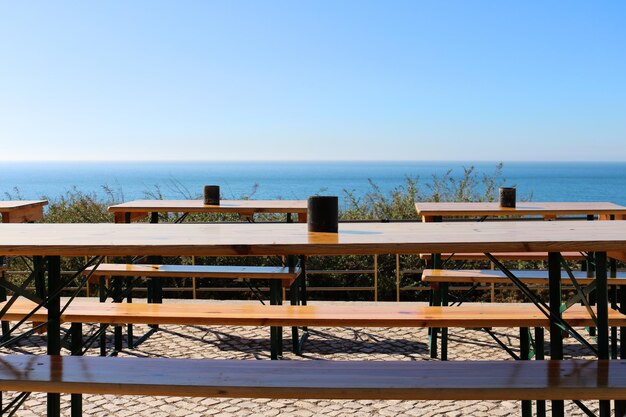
[
  {"x": 3, "y": 297},
  {"x": 540, "y": 355},
  {"x": 556, "y": 336},
  {"x": 76, "y": 331},
  {"x": 603, "y": 318},
  {"x": 438, "y": 298},
  {"x": 276, "y": 332},
  {"x": 54, "y": 325},
  {"x": 524, "y": 353},
  {"x": 620, "y": 406}
]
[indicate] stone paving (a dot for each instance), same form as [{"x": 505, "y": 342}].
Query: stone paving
[{"x": 252, "y": 343}]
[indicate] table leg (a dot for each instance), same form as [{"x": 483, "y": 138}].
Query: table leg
[
  {"x": 556, "y": 337},
  {"x": 3, "y": 297},
  {"x": 116, "y": 282},
  {"x": 620, "y": 406},
  {"x": 303, "y": 301},
  {"x": 524, "y": 344},
  {"x": 540, "y": 355},
  {"x": 438, "y": 298},
  {"x": 77, "y": 347},
  {"x": 603, "y": 318},
  {"x": 276, "y": 332},
  {"x": 294, "y": 297},
  {"x": 54, "y": 324}
]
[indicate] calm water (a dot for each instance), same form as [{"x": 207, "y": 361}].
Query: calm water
[{"x": 561, "y": 181}]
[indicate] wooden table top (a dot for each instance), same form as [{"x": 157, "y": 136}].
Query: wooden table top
[
  {"x": 429, "y": 209},
  {"x": 294, "y": 239},
  {"x": 19, "y": 211},
  {"x": 7, "y": 206},
  {"x": 225, "y": 206}
]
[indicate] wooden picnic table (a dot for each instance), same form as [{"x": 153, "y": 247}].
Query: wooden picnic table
[
  {"x": 139, "y": 209},
  {"x": 22, "y": 211},
  {"x": 431, "y": 211},
  {"x": 436, "y": 211},
  {"x": 56, "y": 240}
]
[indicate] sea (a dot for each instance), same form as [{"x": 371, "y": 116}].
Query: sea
[{"x": 125, "y": 181}]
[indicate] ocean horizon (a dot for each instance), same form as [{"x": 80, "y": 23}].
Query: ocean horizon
[{"x": 130, "y": 180}]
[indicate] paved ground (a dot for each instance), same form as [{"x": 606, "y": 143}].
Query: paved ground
[{"x": 221, "y": 342}]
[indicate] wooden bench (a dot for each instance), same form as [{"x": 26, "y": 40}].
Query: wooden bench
[
  {"x": 327, "y": 315},
  {"x": 472, "y": 276},
  {"x": 284, "y": 274},
  {"x": 505, "y": 256},
  {"x": 357, "y": 380}
]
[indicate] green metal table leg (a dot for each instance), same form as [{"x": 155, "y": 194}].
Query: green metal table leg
[
  {"x": 103, "y": 337},
  {"x": 556, "y": 337},
  {"x": 40, "y": 278},
  {"x": 77, "y": 347},
  {"x": 603, "y": 318},
  {"x": 54, "y": 325},
  {"x": 620, "y": 406},
  {"x": 303, "y": 301},
  {"x": 276, "y": 332},
  {"x": 592, "y": 296},
  {"x": 294, "y": 297},
  {"x": 524, "y": 341},
  {"x": 614, "y": 306},
  {"x": 444, "y": 331},
  {"x": 3, "y": 297},
  {"x": 540, "y": 355},
  {"x": 117, "y": 298},
  {"x": 129, "y": 300},
  {"x": 437, "y": 297}
]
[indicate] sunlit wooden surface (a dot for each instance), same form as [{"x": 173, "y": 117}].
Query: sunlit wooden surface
[
  {"x": 371, "y": 380},
  {"x": 548, "y": 209},
  {"x": 22, "y": 211},
  {"x": 140, "y": 208},
  {"x": 470, "y": 276},
  {"x": 293, "y": 238},
  {"x": 329, "y": 315}
]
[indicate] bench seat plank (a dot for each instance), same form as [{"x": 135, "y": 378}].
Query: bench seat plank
[
  {"x": 330, "y": 315},
  {"x": 374, "y": 380},
  {"x": 199, "y": 271},
  {"x": 494, "y": 276},
  {"x": 506, "y": 256},
  {"x": 284, "y": 274}
]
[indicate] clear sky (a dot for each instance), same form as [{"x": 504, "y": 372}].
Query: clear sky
[{"x": 414, "y": 80}]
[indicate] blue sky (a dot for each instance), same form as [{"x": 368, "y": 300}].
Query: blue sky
[{"x": 393, "y": 80}]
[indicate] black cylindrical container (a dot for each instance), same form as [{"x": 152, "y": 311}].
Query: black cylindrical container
[
  {"x": 212, "y": 195},
  {"x": 323, "y": 214},
  {"x": 507, "y": 197}
]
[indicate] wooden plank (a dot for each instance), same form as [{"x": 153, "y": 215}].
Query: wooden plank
[
  {"x": 373, "y": 380},
  {"x": 547, "y": 209},
  {"x": 120, "y": 216},
  {"x": 9, "y": 205},
  {"x": 225, "y": 206},
  {"x": 328, "y": 315},
  {"x": 516, "y": 256},
  {"x": 198, "y": 271},
  {"x": 22, "y": 211},
  {"x": 497, "y": 277},
  {"x": 283, "y": 274},
  {"x": 619, "y": 255},
  {"x": 294, "y": 239}
]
